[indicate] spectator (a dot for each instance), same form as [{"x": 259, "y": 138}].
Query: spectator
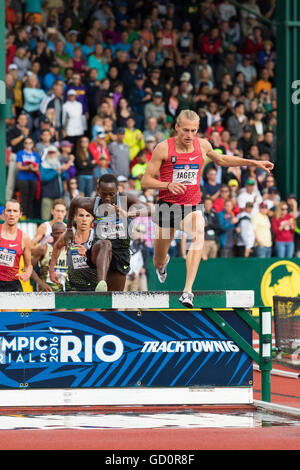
[
  {"x": 250, "y": 194},
  {"x": 211, "y": 187},
  {"x": 264, "y": 82},
  {"x": 120, "y": 155},
  {"x": 72, "y": 118},
  {"x": 263, "y": 232},
  {"x": 228, "y": 223},
  {"x": 212, "y": 229},
  {"x": 52, "y": 76},
  {"x": 63, "y": 59},
  {"x": 28, "y": 182},
  {"x": 155, "y": 108},
  {"x": 225, "y": 195},
  {"x": 133, "y": 138},
  {"x": 237, "y": 121},
  {"x": 98, "y": 61},
  {"x": 81, "y": 96},
  {"x": 138, "y": 98},
  {"x": 15, "y": 140},
  {"x": 51, "y": 171},
  {"x": 140, "y": 167},
  {"x": 98, "y": 146},
  {"x": 245, "y": 233},
  {"x": 153, "y": 130},
  {"x": 283, "y": 225},
  {"x": 85, "y": 165},
  {"x": 33, "y": 96},
  {"x": 55, "y": 103}
]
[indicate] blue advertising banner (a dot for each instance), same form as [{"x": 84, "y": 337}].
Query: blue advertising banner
[{"x": 121, "y": 349}]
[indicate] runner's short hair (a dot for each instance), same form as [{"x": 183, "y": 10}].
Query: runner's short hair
[
  {"x": 107, "y": 178},
  {"x": 187, "y": 114}
]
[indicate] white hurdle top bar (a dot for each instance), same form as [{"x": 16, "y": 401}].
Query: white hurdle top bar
[{"x": 123, "y": 300}]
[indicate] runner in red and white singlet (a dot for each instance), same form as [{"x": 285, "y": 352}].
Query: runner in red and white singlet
[
  {"x": 13, "y": 244},
  {"x": 182, "y": 168},
  {"x": 178, "y": 162}
]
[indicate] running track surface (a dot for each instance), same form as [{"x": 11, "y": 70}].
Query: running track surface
[{"x": 284, "y": 391}]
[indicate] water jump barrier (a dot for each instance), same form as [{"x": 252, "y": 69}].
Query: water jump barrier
[{"x": 138, "y": 348}]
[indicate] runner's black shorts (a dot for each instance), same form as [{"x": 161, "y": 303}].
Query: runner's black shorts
[
  {"x": 169, "y": 215},
  {"x": 11, "y": 286},
  {"x": 120, "y": 260}
]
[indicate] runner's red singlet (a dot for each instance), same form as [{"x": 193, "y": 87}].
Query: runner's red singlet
[
  {"x": 10, "y": 255},
  {"x": 182, "y": 168}
]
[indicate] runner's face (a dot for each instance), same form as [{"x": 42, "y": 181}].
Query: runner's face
[
  {"x": 187, "y": 131},
  {"x": 12, "y": 213},
  {"x": 83, "y": 219},
  {"x": 56, "y": 233},
  {"x": 107, "y": 192},
  {"x": 59, "y": 213}
]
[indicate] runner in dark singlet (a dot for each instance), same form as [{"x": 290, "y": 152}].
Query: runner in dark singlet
[
  {"x": 178, "y": 162},
  {"x": 81, "y": 277},
  {"x": 112, "y": 211}
]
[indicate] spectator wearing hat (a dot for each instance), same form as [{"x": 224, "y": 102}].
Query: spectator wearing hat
[
  {"x": 138, "y": 98},
  {"x": 283, "y": 225},
  {"x": 263, "y": 232},
  {"x": 250, "y": 194},
  {"x": 67, "y": 156},
  {"x": 72, "y": 42},
  {"x": 155, "y": 108},
  {"x": 120, "y": 154},
  {"x": 28, "y": 163},
  {"x": 72, "y": 117},
  {"x": 52, "y": 76},
  {"x": 81, "y": 96},
  {"x": 52, "y": 174},
  {"x": 248, "y": 70},
  {"x": 185, "y": 95},
  {"x": 245, "y": 141},
  {"x": 98, "y": 146}
]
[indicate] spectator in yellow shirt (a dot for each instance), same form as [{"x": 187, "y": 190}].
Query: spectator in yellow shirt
[{"x": 133, "y": 137}]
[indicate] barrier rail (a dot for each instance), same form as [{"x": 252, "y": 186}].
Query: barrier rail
[{"x": 138, "y": 348}]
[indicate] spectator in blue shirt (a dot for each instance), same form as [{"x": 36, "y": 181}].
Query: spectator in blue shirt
[
  {"x": 52, "y": 76},
  {"x": 28, "y": 163}
]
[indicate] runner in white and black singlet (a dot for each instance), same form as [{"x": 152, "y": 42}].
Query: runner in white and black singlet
[{"x": 112, "y": 211}]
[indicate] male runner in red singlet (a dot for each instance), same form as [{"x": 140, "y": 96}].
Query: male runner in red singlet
[
  {"x": 13, "y": 244},
  {"x": 178, "y": 163}
]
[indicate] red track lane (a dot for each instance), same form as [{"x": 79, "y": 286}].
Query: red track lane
[
  {"x": 279, "y": 438},
  {"x": 284, "y": 391}
]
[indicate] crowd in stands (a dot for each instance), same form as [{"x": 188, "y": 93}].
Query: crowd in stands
[{"x": 96, "y": 84}]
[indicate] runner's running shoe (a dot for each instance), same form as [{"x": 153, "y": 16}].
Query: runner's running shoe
[
  {"x": 101, "y": 286},
  {"x": 162, "y": 272},
  {"x": 187, "y": 299}
]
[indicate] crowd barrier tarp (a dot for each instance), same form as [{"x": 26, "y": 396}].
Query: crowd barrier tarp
[{"x": 266, "y": 277}]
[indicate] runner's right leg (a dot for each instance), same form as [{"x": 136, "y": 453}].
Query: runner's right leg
[
  {"x": 162, "y": 240},
  {"x": 101, "y": 258}
]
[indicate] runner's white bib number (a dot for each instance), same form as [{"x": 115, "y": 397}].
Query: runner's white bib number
[{"x": 185, "y": 174}]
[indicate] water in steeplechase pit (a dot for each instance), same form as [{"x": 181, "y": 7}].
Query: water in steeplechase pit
[{"x": 248, "y": 418}]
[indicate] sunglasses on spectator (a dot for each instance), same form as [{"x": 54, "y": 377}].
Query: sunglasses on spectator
[{"x": 284, "y": 208}]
